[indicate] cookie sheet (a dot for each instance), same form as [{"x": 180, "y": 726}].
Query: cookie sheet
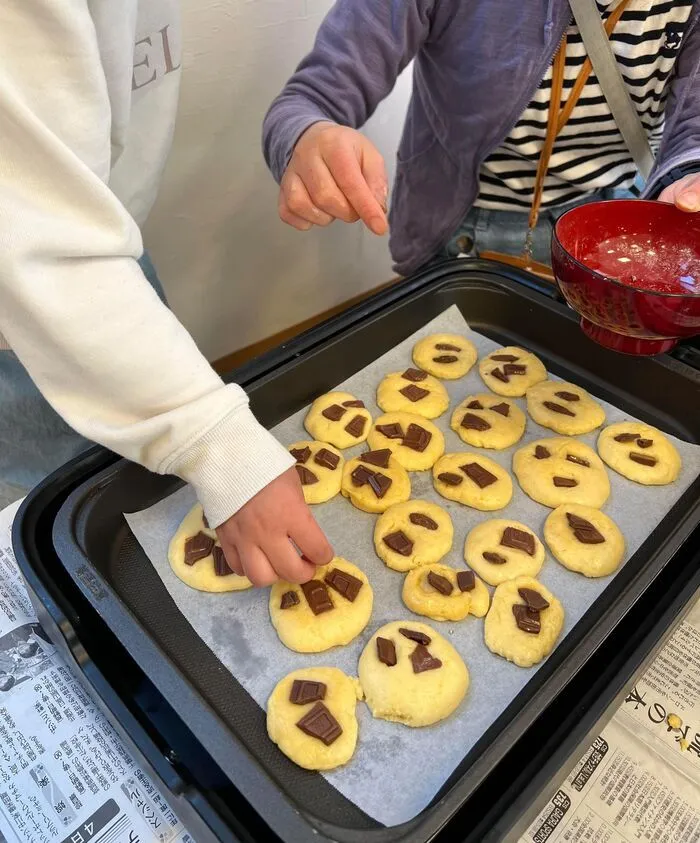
[{"x": 397, "y": 770}]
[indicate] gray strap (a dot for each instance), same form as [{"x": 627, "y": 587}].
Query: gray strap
[{"x": 600, "y": 52}]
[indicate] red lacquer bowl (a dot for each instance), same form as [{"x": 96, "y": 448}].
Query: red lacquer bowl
[{"x": 631, "y": 269}]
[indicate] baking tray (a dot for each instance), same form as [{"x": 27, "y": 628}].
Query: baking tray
[{"x": 96, "y": 547}]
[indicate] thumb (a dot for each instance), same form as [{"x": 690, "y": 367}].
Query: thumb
[
  {"x": 689, "y": 199},
  {"x": 374, "y": 171}
]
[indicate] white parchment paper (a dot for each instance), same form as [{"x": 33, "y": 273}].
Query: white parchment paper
[{"x": 397, "y": 770}]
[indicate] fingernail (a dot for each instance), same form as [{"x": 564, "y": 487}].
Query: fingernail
[
  {"x": 377, "y": 224},
  {"x": 690, "y": 200}
]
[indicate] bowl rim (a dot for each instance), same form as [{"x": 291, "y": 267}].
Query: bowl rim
[{"x": 607, "y": 278}]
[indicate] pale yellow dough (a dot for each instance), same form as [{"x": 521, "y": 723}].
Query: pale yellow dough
[
  {"x": 431, "y": 406},
  {"x": 420, "y": 596},
  {"x": 592, "y": 560},
  {"x": 588, "y": 414},
  {"x": 325, "y": 430},
  {"x": 342, "y": 694},
  {"x": 517, "y": 384},
  {"x": 617, "y": 454},
  {"x": 409, "y": 458},
  {"x": 536, "y": 476},
  {"x": 425, "y": 352},
  {"x": 397, "y": 693},
  {"x": 504, "y": 431},
  {"x": 200, "y": 575},
  {"x": 303, "y": 631},
  {"x": 503, "y": 636},
  {"x": 364, "y": 498},
  {"x": 429, "y": 546},
  {"x": 486, "y": 538},
  {"x": 328, "y": 484},
  {"x": 492, "y": 497}
]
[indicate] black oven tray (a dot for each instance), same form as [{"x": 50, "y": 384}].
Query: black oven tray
[{"x": 121, "y": 593}]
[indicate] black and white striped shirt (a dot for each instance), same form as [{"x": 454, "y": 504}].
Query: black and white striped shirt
[{"x": 589, "y": 154}]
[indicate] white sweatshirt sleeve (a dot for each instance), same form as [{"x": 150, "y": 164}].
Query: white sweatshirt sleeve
[{"x": 74, "y": 304}]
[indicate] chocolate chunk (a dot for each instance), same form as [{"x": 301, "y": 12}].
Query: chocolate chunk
[
  {"x": 445, "y": 358},
  {"x": 417, "y": 438},
  {"x": 558, "y": 408},
  {"x": 472, "y": 422},
  {"x": 519, "y": 540},
  {"x": 361, "y": 475},
  {"x": 307, "y": 477},
  {"x": 205, "y": 521},
  {"x": 466, "y": 581},
  {"x": 478, "y": 474},
  {"x": 527, "y": 619},
  {"x": 198, "y": 547},
  {"x": 301, "y": 455},
  {"x": 514, "y": 369},
  {"x": 317, "y": 596},
  {"x": 221, "y": 568},
  {"x": 391, "y": 431},
  {"x": 380, "y": 484},
  {"x": 643, "y": 459},
  {"x": 503, "y": 409},
  {"x": 379, "y": 458},
  {"x": 354, "y": 403},
  {"x": 386, "y": 651},
  {"x": 504, "y": 358},
  {"x": 475, "y": 405},
  {"x": 499, "y": 375},
  {"x": 533, "y": 599},
  {"x": 645, "y": 443},
  {"x": 414, "y": 393},
  {"x": 440, "y": 583},
  {"x": 564, "y": 482},
  {"x": 334, "y": 413},
  {"x": 356, "y": 426},
  {"x": 415, "y": 635},
  {"x": 626, "y": 437},
  {"x": 289, "y": 599},
  {"x": 414, "y": 375},
  {"x": 445, "y": 346},
  {"x": 399, "y": 542},
  {"x": 578, "y": 460},
  {"x": 584, "y": 531},
  {"x": 306, "y": 691},
  {"x": 541, "y": 453},
  {"x": 568, "y": 396},
  {"x": 345, "y": 584},
  {"x": 327, "y": 458},
  {"x": 319, "y": 723},
  {"x": 421, "y": 520},
  {"x": 422, "y": 660},
  {"x": 450, "y": 479},
  {"x": 494, "y": 558}
]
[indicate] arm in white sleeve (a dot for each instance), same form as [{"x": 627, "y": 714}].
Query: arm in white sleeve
[{"x": 74, "y": 304}]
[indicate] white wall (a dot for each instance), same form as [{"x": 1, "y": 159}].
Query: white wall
[{"x": 233, "y": 272}]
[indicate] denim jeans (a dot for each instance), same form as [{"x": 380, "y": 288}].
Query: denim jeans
[{"x": 34, "y": 439}]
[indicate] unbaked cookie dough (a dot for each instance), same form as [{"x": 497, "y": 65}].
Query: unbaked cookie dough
[
  {"x": 374, "y": 481},
  {"x": 511, "y": 371},
  {"x": 564, "y": 408},
  {"x": 413, "y": 391},
  {"x": 524, "y": 621},
  {"x": 328, "y": 611},
  {"x": 561, "y": 470},
  {"x": 639, "y": 452},
  {"x": 412, "y": 534},
  {"x": 196, "y": 557},
  {"x": 338, "y": 418},
  {"x": 445, "y": 594},
  {"x": 447, "y": 356},
  {"x": 415, "y": 442},
  {"x": 311, "y": 717},
  {"x": 473, "y": 480},
  {"x": 584, "y": 540},
  {"x": 416, "y": 680},
  {"x": 320, "y": 469},
  {"x": 485, "y": 421},
  {"x": 500, "y": 550}
]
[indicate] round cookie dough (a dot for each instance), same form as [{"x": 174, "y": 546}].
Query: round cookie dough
[
  {"x": 405, "y": 436},
  {"x": 511, "y": 381},
  {"x": 362, "y": 489},
  {"x": 338, "y": 694},
  {"x": 342, "y": 410},
  {"x": 305, "y": 631},
  {"x": 320, "y": 469},
  {"x": 505, "y": 638},
  {"x": 422, "y": 532},
  {"x": 201, "y": 574},
  {"x": 477, "y": 423},
  {"x": 573, "y": 534},
  {"x": 413, "y": 391},
  {"x": 400, "y": 694},
  {"x": 447, "y": 356},
  {"x": 564, "y": 408},
  {"x": 538, "y": 464},
  {"x": 484, "y": 551},
  {"x": 452, "y": 481},
  {"x": 629, "y": 448},
  {"x": 425, "y": 593}
]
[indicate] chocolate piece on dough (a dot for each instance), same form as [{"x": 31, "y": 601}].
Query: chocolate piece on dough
[
  {"x": 568, "y": 396},
  {"x": 221, "y": 568},
  {"x": 514, "y": 369},
  {"x": 379, "y": 458},
  {"x": 301, "y": 455},
  {"x": 578, "y": 460},
  {"x": 584, "y": 531},
  {"x": 356, "y": 426},
  {"x": 307, "y": 477},
  {"x": 414, "y": 375},
  {"x": 541, "y": 453},
  {"x": 317, "y": 596},
  {"x": 334, "y": 413},
  {"x": 306, "y": 691},
  {"x": 527, "y": 619},
  {"x": 421, "y": 520},
  {"x": 423, "y": 660},
  {"x": 386, "y": 651},
  {"x": 504, "y": 358},
  {"x": 380, "y": 484},
  {"x": 354, "y": 403},
  {"x": 417, "y": 438},
  {"x": 643, "y": 459},
  {"x": 445, "y": 358},
  {"x": 289, "y": 599},
  {"x": 450, "y": 479},
  {"x": 494, "y": 558},
  {"x": 440, "y": 583},
  {"x": 345, "y": 584},
  {"x": 399, "y": 542},
  {"x": 327, "y": 459},
  {"x": 503, "y": 409},
  {"x": 472, "y": 422},
  {"x": 391, "y": 431},
  {"x": 475, "y": 405},
  {"x": 533, "y": 599},
  {"x": 626, "y": 437},
  {"x": 564, "y": 482},
  {"x": 414, "y": 393},
  {"x": 558, "y": 408},
  {"x": 198, "y": 547},
  {"x": 466, "y": 581},
  {"x": 319, "y": 723},
  {"x": 518, "y": 540},
  {"x": 445, "y": 346},
  {"x": 499, "y": 375},
  {"x": 478, "y": 474},
  {"x": 415, "y": 635}
]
